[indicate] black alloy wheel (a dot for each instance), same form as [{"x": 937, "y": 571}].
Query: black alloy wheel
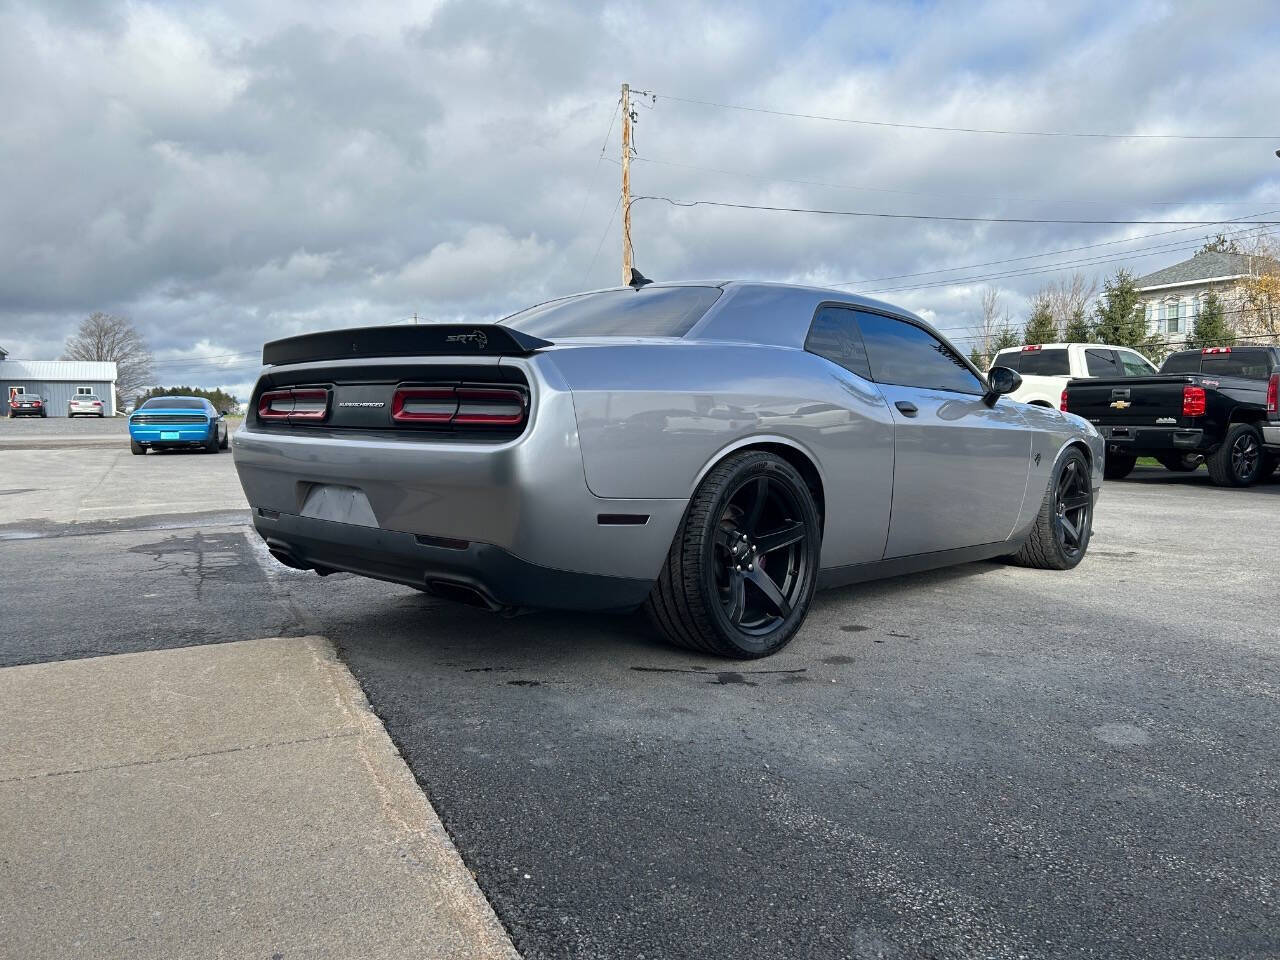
[
  {"x": 743, "y": 565},
  {"x": 760, "y": 564},
  {"x": 1060, "y": 535},
  {"x": 1238, "y": 462},
  {"x": 1072, "y": 508}
]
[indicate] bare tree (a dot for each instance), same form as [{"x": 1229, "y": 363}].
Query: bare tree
[
  {"x": 1069, "y": 298},
  {"x": 1259, "y": 303},
  {"x": 988, "y": 327},
  {"x": 101, "y": 336}
]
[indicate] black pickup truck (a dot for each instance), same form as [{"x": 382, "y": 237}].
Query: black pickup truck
[{"x": 1218, "y": 404}]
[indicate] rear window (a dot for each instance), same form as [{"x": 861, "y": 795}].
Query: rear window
[
  {"x": 1251, "y": 364},
  {"x": 85, "y": 396},
  {"x": 647, "y": 312},
  {"x": 173, "y": 403},
  {"x": 1037, "y": 363}
]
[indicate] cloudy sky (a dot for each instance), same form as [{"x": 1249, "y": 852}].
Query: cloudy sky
[{"x": 229, "y": 173}]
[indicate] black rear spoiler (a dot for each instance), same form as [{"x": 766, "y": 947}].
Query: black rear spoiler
[{"x": 425, "y": 340}]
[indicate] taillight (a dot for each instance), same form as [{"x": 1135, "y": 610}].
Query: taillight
[
  {"x": 490, "y": 406},
  {"x": 1216, "y": 350},
  {"x": 465, "y": 406},
  {"x": 424, "y": 404},
  {"x": 1192, "y": 401},
  {"x": 1063, "y": 404},
  {"x": 1273, "y": 394},
  {"x": 307, "y": 403},
  {"x": 36, "y": 404}
]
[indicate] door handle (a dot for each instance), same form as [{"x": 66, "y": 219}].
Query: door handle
[{"x": 907, "y": 408}]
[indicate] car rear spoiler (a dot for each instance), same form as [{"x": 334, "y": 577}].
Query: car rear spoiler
[{"x": 430, "y": 339}]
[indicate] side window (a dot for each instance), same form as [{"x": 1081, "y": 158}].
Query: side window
[
  {"x": 1102, "y": 363},
  {"x": 910, "y": 356},
  {"x": 834, "y": 335},
  {"x": 1133, "y": 364}
]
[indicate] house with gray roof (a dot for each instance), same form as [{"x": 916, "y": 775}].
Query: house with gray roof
[{"x": 1174, "y": 296}]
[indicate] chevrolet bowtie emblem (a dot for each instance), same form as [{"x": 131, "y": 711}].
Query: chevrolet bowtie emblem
[{"x": 1120, "y": 404}]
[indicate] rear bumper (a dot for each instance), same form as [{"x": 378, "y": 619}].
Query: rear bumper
[
  {"x": 451, "y": 569},
  {"x": 27, "y": 411},
  {"x": 526, "y": 498},
  {"x": 1271, "y": 435},
  {"x": 183, "y": 435},
  {"x": 1144, "y": 441}
]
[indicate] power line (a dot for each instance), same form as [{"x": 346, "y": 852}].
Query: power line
[
  {"x": 934, "y": 196},
  {"x": 1139, "y": 254},
  {"x": 979, "y": 130},
  {"x": 1052, "y": 253},
  {"x": 616, "y": 204},
  {"x": 937, "y": 217}
]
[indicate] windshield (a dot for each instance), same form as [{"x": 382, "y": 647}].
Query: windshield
[
  {"x": 173, "y": 403},
  {"x": 647, "y": 312}
]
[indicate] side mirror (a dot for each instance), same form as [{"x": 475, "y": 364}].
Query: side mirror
[
  {"x": 1001, "y": 380},
  {"x": 223, "y": 413}
]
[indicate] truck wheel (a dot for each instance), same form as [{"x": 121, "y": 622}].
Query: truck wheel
[
  {"x": 1117, "y": 466},
  {"x": 1060, "y": 535},
  {"x": 1238, "y": 462},
  {"x": 1179, "y": 462},
  {"x": 136, "y": 448},
  {"x": 742, "y": 568}
]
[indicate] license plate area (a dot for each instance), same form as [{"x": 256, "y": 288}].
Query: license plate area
[
  {"x": 339, "y": 504},
  {"x": 169, "y": 435}
]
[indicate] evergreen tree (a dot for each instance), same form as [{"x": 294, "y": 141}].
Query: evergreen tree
[
  {"x": 1121, "y": 319},
  {"x": 1078, "y": 328},
  {"x": 1006, "y": 336},
  {"x": 1040, "y": 327},
  {"x": 219, "y": 398},
  {"x": 1210, "y": 328}
]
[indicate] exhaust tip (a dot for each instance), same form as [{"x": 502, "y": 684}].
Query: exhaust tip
[{"x": 463, "y": 593}]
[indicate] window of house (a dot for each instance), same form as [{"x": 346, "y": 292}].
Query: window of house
[
  {"x": 84, "y": 391},
  {"x": 902, "y": 353},
  {"x": 1173, "y": 318},
  {"x": 834, "y": 335}
]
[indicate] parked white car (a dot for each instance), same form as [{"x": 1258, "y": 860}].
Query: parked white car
[{"x": 1046, "y": 368}]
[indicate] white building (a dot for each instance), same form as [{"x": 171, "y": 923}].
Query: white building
[
  {"x": 58, "y": 381},
  {"x": 1174, "y": 296}
]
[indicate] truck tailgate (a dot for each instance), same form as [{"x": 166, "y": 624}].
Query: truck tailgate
[{"x": 1137, "y": 401}]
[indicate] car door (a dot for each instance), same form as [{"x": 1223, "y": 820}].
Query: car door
[{"x": 960, "y": 465}]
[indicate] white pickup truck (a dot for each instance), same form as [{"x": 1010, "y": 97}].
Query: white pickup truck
[{"x": 1046, "y": 368}]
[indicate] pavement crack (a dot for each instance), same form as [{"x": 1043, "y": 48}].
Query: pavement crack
[{"x": 178, "y": 758}]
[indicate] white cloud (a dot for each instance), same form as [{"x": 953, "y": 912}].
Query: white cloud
[{"x": 229, "y": 175}]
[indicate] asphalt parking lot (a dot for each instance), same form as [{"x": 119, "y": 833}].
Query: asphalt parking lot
[{"x": 986, "y": 761}]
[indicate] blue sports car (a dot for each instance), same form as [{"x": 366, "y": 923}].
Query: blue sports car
[{"x": 170, "y": 422}]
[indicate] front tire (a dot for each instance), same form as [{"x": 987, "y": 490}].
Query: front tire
[
  {"x": 1060, "y": 536},
  {"x": 742, "y": 569},
  {"x": 1118, "y": 466},
  {"x": 1238, "y": 462}
]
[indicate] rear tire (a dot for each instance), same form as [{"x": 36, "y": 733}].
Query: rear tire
[
  {"x": 137, "y": 449},
  {"x": 1238, "y": 462},
  {"x": 743, "y": 566},
  {"x": 1118, "y": 466},
  {"x": 1060, "y": 536},
  {"x": 211, "y": 445},
  {"x": 226, "y": 439},
  {"x": 1177, "y": 462}
]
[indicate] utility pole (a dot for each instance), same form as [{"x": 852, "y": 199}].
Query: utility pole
[{"x": 626, "y": 184}]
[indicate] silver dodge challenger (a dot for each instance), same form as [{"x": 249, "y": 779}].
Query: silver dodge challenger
[{"x": 713, "y": 452}]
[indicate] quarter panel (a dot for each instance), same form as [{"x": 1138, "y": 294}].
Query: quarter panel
[{"x": 652, "y": 418}]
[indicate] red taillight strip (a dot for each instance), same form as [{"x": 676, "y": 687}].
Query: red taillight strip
[
  {"x": 1273, "y": 394},
  {"x": 423, "y": 405},
  {"x": 308, "y": 403},
  {"x": 1062, "y": 405},
  {"x": 1193, "y": 401},
  {"x": 490, "y": 406}
]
